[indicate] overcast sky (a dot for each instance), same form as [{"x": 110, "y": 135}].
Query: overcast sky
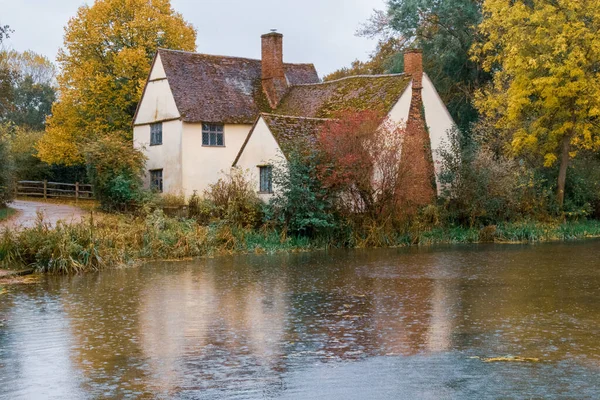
[{"x": 317, "y": 31}]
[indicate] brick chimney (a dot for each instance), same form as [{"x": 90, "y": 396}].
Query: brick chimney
[
  {"x": 274, "y": 82},
  {"x": 413, "y": 65},
  {"x": 416, "y": 163}
]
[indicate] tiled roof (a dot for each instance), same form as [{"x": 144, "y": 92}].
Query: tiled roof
[
  {"x": 291, "y": 133},
  {"x": 355, "y": 93},
  {"x": 222, "y": 89}
]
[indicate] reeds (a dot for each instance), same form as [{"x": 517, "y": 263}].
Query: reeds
[{"x": 113, "y": 241}]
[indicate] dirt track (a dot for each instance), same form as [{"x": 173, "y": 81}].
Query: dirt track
[{"x": 28, "y": 211}]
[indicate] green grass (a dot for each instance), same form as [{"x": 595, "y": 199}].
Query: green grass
[
  {"x": 6, "y": 213},
  {"x": 112, "y": 241}
]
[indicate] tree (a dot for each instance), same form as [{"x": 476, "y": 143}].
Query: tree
[
  {"x": 33, "y": 89},
  {"x": 6, "y": 169},
  {"x": 445, "y": 31},
  {"x": 6, "y": 76},
  {"x": 108, "y": 48},
  {"x": 379, "y": 63},
  {"x": 361, "y": 163},
  {"x": 545, "y": 56}
]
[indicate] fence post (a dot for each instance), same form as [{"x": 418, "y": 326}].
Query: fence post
[
  {"x": 45, "y": 189},
  {"x": 76, "y": 191}
]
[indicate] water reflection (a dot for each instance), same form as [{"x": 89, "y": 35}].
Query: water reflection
[{"x": 307, "y": 324}]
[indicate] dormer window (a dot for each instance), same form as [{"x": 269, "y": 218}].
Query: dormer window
[
  {"x": 212, "y": 135},
  {"x": 156, "y": 134}
]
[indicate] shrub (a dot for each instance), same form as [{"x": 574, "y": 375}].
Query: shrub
[
  {"x": 115, "y": 169},
  {"x": 235, "y": 200},
  {"x": 7, "y": 178},
  {"x": 301, "y": 204},
  {"x": 480, "y": 187},
  {"x": 29, "y": 167}
]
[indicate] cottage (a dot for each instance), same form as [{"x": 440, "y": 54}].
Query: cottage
[{"x": 202, "y": 114}]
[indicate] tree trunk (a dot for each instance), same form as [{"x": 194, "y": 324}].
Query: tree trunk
[{"x": 562, "y": 172}]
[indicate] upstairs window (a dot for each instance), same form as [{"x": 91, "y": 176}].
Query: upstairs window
[
  {"x": 156, "y": 179},
  {"x": 156, "y": 134},
  {"x": 212, "y": 135},
  {"x": 266, "y": 179}
]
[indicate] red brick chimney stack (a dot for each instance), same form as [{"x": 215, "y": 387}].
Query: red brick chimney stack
[
  {"x": 413, "y": 65},
  {"x": 416, "y": 164},
  {"x": 273, "y": 74}
]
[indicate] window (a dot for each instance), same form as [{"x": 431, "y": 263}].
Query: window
[
  {"x": 266, "y": 179},
  {"x": 212, "y": 135},
  {"x": 156, "y": 134},
  {"x": 156, "y": 179}
]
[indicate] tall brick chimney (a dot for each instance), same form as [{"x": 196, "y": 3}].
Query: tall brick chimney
[
  {"x": 416, "y": 162},
  {"x": 274, "y": 82},
  {"x": 413, "y": 65}
]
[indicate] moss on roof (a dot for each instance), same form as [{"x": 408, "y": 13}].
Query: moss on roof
[
  {"x": 209, "y": 88},
  {"x": 358, "y": 93}
]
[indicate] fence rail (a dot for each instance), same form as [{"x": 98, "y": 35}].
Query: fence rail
[{"x": 48, "y": 190}]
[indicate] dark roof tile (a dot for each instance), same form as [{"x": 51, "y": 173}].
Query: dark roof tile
[{"x": 223, "y": 89}]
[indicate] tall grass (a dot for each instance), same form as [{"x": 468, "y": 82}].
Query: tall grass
[{"x": 112, "y": 241}]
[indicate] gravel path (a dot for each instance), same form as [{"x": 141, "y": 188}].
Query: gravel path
[{"x": 27, "y": 214}]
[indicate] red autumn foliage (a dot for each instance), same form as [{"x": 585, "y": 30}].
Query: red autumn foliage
[{"x": 361, "y": 162}]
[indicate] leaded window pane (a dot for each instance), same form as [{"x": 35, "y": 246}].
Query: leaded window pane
[
  {"x": 266, "y": 179},
  {"x": 212, "y": 135},
  {"x": 155, "y": 134}
]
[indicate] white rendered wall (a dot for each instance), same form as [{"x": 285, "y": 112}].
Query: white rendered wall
[
  {"x": 166, "y": 156},
  {"x": 438, "y": 120},
  {"x": 158, "y": 103},
  {"x": 158, "y": 71},
  {"x": 204, "y": 165},
  {"x": 261, "y": 149},
  {"x": 399, "y": 113}
]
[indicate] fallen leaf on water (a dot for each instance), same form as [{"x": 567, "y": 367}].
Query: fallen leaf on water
[{"x": 507, "y": 359}]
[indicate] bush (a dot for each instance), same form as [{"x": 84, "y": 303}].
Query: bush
[
  {"x": 234, "y": 200},
  {"x": 482, "y": 188},
  {"x": 115, "y": 169},
  {"x": 7, "y": 178},
  {"x": 30, "y": 168},
  {"x": 301, "y": 204}
]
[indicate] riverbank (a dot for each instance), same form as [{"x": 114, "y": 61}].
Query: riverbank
[{"x": 114, "y": 241}]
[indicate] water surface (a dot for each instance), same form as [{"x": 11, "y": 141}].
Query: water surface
[{"x": 372, "y": 324}]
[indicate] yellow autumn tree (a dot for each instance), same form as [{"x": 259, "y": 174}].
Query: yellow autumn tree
[
  {"x": 108, "y": 48},
  {"x": 545, "y": 56}
]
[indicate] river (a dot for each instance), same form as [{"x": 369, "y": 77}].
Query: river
[{"x": 361, "y": 324}]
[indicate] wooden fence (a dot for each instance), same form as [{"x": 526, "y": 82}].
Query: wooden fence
[{"x": 54, "y": 190}]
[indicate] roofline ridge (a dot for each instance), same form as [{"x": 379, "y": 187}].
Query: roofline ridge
[
  {"x": 355, "y": 76},
  {"x": 223, "y": 56},
  {"x": 296, "y": 117}
]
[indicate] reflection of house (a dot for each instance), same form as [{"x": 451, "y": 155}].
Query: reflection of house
[{"x": 200, "y": 114}]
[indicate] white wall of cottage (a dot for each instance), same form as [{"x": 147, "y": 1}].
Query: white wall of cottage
[
  {"x": 261, "y": 149},
  {"x": 204, "y": 165},
  {"x": 166, "y": 156}
]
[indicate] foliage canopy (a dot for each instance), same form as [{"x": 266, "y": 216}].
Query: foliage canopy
[
  {"x": 108, "y": 48},
  {"x": 545, "y": 95}
]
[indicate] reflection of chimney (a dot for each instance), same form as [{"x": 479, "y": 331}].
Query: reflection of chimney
[
  {"x": 273, "y": 75},
  {"x": 413, "y": 65}
]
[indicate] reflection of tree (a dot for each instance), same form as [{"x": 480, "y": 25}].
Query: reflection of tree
[{"x": 103, "y": 317}]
